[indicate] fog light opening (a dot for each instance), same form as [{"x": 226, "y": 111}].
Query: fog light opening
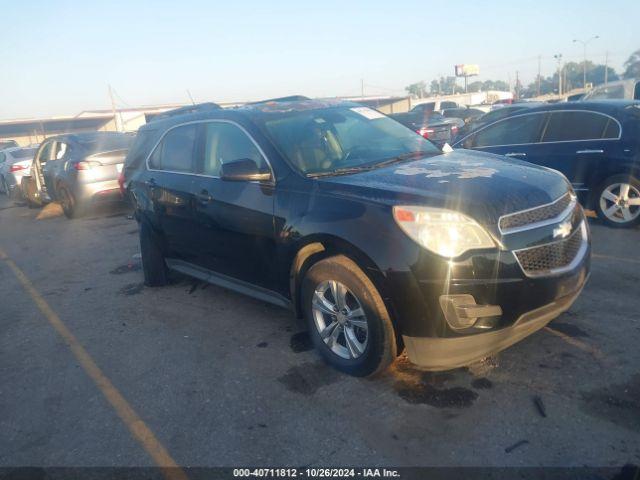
[{"x": 462, "y": 312}]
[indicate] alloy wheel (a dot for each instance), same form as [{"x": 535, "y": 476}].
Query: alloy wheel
[
  {"x": 340, "y": 319},
  {"x": 620, "y": 202}
]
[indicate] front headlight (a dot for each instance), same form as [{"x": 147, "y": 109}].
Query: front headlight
[{"x": 444, "y": 232}]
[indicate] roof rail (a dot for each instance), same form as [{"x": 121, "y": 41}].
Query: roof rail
[
  {"x": 197, "y": 108},
  {"x": 290, "y": 98}
]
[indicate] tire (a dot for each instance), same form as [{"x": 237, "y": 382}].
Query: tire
[
  {"x": 618, "y": 201},
  {"x": 372, "y": 348},
  {"x": 68, "y": 202},
  {"x": 154, "y": 266},
  {"x": 5, "y": 187}
]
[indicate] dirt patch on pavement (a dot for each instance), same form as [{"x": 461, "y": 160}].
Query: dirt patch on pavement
[{"x": 617, "y": 403}]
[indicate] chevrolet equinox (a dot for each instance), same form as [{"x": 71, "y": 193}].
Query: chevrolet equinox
[{"x": 378, "y": 239}]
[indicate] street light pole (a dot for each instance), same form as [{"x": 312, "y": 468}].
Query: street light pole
[
  {"x": 558, "y": 57},
  {"x": 584, "y": 57}
]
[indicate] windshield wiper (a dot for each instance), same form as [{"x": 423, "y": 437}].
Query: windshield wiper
[{"x": 372, "y": 166}]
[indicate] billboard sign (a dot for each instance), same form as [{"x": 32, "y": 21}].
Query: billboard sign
[{"x": 467, "y": 70}]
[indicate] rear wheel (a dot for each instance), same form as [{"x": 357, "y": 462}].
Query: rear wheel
[
  {"x": 4, "y": 186},
  {"x": 618, "y": 202},
  {"x": 347, "y": 319},
  {"x": 154, "y": 266},
  {"x": 68, "y": 202}
]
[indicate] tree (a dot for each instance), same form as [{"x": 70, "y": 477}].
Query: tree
[
  {"x": 632, "y": 65},
  {"x": 418, "y": 89}
]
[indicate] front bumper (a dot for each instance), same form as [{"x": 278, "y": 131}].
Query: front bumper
[{"x": 435, "y": 353}]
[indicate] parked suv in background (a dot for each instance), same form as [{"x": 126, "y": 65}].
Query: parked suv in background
[
  {"x": 596, "y": 145},
  {"x": 78, "y": 170},
  {"x": 366, "y": 229},
  {"x": 14, "y": 164},
  {"x": 628, "y": 89}
]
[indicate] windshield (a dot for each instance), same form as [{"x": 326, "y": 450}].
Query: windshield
[
  {"x": 106, "y": 143},
  {"x": 340, "y": 139}
]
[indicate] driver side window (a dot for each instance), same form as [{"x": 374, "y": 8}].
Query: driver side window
[{"x": 224, "y": 143}]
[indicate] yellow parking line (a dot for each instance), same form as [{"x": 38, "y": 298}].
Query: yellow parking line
[
  {"x": 610, "y": 257},
  {"x": 140, "y": 431},
  {"x": 576, "y": 343}
]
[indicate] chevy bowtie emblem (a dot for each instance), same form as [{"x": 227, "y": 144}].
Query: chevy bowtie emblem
[{"x": 562, "y": 231}]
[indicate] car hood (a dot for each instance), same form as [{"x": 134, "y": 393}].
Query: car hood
[{"x": 481, "y": 185}]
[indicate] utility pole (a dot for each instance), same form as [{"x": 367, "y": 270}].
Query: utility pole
[
  {"x": 606, "y": 68},
  {"x": 538, "y": 86},
  {"x": 189, "y": 93},
  {"x": 517, "y": 89},
  {"x": 558, "y": 57},
  {"x": 584, "y": 57},
  {"x": 113, "y": 109},
  {"x": 362, "y": 88}
]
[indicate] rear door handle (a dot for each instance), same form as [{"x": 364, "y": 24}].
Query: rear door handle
[
  {"x": 204, "y": 197},
  {"x": 590, "y": 151},
  {"x": 515, "y": 154}
]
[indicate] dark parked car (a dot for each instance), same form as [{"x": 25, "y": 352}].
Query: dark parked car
[
  {"x": 430, "y": 125},
  {"x": 463, "y": 113},
  {"x": 596, "y": 145},
  {"x": 346, "y": 217},
  {"x": 77, "y": 170},
  {"x": 493, "y": 116}
]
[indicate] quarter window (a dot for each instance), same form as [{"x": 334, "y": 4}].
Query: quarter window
[
  {"x": 224, "y": 143},
  {"x": 176, "y": 151},
  {"x": 575, "y": 126},
  {"x": 510, "y": 131},
  {"x": 45, "y": 153}
]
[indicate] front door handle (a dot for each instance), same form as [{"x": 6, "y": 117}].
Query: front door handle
[
  {"x": 590, "y": 151},
  {"x": 515, "y": 154},
  {"x": 204, "y": 197}
]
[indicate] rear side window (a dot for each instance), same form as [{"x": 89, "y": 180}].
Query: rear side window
[
  {"x": 142, "y": 144},
  {"x": 576, "y": 126},
  {"x": 224, "y": 143},
  {"x": 510, "y": 131},
  {"x": 175, "y": 152}
]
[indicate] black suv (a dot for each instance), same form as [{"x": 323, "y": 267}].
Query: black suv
[{"x": 363, "y": 227}]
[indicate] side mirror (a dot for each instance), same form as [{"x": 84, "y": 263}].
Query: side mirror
[{"x": 243, "y": 170}]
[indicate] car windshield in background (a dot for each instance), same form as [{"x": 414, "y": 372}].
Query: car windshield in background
[
  {"x": 24, "y": 153},
  {"x": 342, "y": 140}
]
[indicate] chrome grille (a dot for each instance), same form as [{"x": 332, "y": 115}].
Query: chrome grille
[
  {"x": 534, "y": 216},
  {"x": 553, "y": 257}
]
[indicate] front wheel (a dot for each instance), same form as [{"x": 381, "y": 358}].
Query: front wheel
[
  {"x": 347, "y": 319},
  {"x": 618, "y": 202}
]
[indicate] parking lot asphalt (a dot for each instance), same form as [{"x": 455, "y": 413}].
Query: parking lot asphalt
[{"x": 220, "y": 379}]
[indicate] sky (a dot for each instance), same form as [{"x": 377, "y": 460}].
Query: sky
[{"x": 59, "y": 57}]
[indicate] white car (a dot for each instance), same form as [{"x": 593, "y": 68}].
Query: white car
[{"x": 15, "y": 163}]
